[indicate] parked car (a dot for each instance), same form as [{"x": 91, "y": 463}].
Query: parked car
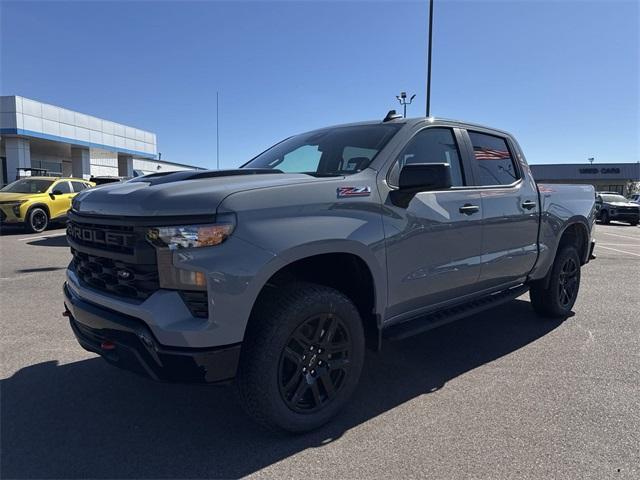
[
  {"x": 613, "y": 206},
  {"x": 35, "y": 202},
  {"x": 279, "y": 273}
]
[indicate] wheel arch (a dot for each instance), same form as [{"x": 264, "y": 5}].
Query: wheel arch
[{"x": 340, "y": 265}]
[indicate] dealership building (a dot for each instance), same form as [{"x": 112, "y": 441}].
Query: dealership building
[
  {"x": 605, "y": 177},
  {"x": 69, "y": 143}
]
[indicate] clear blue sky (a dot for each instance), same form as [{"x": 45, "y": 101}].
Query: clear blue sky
[{"x": 561, "y": 75}]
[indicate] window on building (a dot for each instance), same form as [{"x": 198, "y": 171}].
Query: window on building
[
  {"x": 496, "y": 166},
  {"x": 434, "y": 145}
]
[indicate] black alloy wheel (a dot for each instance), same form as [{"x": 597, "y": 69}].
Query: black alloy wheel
[
  {"x": 37, "y": 220},
  {"x": 314, "y": 363},
  {"x": 568, "y": 282}
]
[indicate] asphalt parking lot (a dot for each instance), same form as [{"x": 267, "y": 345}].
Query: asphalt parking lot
[{"x": 503, "y": 394}]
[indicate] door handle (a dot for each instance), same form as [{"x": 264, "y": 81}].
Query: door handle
[
  {"x": 469, "y": 209},
  {"x": 529, "y": 204}
]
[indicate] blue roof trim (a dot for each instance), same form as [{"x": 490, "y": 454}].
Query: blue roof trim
[{"x": 55, "y": 138}]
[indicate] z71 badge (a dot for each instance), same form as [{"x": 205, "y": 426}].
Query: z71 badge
[{"x": 354, "y": 191}]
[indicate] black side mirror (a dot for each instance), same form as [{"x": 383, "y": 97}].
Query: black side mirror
[
  {"x": 420, "y": 177},
  {"x": 56, "y": 192}
]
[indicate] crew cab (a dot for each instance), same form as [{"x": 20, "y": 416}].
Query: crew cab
[{"x": 280, "y": 273}]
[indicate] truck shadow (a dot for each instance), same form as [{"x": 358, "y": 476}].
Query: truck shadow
[{"x": 88, "y": 419}]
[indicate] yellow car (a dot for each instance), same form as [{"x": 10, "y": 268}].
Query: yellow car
[{"x": 37, "y": 201}]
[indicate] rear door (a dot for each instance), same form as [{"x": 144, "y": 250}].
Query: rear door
[
  {"x": 510, "y": 209},
  {"x": 433, "y": 243}
]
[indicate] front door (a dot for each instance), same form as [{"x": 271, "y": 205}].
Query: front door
[
  {"x": 61, "y": 201},
  {"x": 434, "y": 243}
]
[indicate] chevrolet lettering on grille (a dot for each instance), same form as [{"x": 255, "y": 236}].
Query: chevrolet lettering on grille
[{"x": 100, "y": 237}]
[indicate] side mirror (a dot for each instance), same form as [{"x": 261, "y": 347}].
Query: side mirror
[
  {"x": 421, "y": 177},
  {"x": 56, "y": 192}
]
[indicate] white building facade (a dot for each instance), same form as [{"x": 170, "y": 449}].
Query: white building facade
[{"x": 64, "y": 142}]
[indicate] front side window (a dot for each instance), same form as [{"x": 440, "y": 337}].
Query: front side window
[
  {"x": 493, "y": 157},
  {"x": 62, "y": 187},
  {"x": 330, "y": 152},
  {"x": 434, "y": 145},
  {"x": 28, "y": 185}
]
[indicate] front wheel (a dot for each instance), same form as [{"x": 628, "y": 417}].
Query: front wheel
[
  {"x": 37, "y": 220},
  {"x": 604, "y": 217},
  {"x": 558, "y": 298},
  {"x": 302, "y": 357}
]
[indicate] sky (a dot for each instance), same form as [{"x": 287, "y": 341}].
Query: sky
[{"x": 563, "y": 76}]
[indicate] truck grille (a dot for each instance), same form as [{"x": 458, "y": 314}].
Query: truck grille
[
  {"x": 119, "y": 278},
  {"x": 110, "y": 238}
]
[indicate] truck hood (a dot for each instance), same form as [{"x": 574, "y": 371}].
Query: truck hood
[
  {"x": 622, "y": 204},
  {"x": 178, "y": 193}
]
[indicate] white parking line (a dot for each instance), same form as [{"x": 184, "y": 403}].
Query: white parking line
[
  {"x": 42, "y": 237},
  {"x": 618, "y": 235},
  {"x": 619, "y": 244},
  {"x": 621, "y": 251}
]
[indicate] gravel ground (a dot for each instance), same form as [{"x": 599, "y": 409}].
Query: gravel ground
[{"x": 502, "y": 394}]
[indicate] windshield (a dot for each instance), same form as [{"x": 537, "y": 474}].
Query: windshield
[
  {"x": 329, "y": 152},
  {"x": 613, "y": 198},
  {"x": 28, "y": 185}
]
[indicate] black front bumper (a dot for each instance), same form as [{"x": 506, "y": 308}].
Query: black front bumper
[{"x": 127, "y": 342}]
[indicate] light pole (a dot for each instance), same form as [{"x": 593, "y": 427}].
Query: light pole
[
  {"x": 402, "y": 98},
  {"x": 429, "y": 58},
  {"x": 591, "y": 159}
]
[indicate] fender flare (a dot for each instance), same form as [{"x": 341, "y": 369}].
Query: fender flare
[{"x": 336, "y": 246}]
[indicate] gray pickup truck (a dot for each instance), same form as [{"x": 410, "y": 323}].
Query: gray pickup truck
[{"x": 281, "y": 273}]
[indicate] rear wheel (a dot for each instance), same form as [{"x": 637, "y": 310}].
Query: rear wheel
[
  {"x": 37, "y": 220},
  {"x": 558, "y": 298},
  {"x": 302, "y": 357}
]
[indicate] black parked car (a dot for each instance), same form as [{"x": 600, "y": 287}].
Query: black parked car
[{"x": 612, "y": 206}]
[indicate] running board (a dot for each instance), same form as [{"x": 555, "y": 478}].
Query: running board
[{"x": 441, "y": 317}]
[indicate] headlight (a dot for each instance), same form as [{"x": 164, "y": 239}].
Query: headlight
[
  {"x": 190, "y": 236},
  {"x": 15, "y": 205}
]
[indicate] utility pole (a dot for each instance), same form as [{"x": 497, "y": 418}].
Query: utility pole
[
  {"x": 217, "y": 131},
  {"x": 429, "y": 58},
  {"x": 402, "y": 98}
]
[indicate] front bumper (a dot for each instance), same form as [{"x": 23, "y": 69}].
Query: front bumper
[{"x": 127, "y": 342}]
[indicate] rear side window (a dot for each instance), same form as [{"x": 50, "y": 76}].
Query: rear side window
[
  {"x": 78, "y": 186},
  {"x": 434, "y": 145},
  {"x": 493, "y": 157}
]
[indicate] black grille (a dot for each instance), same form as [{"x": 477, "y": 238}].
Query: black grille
[
  {"x": 119, "y": 278},
  {"x": 111, "y": 238},
  {"x": 628, "y": 209},
  {"x": 196, "y": 302}
]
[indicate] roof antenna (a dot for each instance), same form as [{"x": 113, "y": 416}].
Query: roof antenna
[{"x": 391, "y": 115}]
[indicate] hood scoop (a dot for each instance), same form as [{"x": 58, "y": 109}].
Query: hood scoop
[{"x": 170, "y": 177}]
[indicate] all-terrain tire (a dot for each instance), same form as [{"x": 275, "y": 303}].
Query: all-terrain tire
[
  {"x": 37, "y": 220},
  {"x": 559, "y": 296},
  {"x": 301, "y": 358}
]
